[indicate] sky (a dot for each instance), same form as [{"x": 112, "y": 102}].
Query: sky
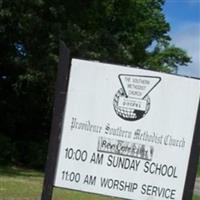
[{"x": 184, "y": 19}]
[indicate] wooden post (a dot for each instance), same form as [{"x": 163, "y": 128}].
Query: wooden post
[
  {"x": 56, "y": 127},
  {"x": 193, "y": 161}
]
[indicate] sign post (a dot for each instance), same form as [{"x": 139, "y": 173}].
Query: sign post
[
  {"x": 58, "y": 113},
  {"x": 193, "y": 162},
  {"x": 126, "y": 132}
]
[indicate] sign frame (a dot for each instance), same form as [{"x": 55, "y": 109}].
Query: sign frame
[
  {"x": 193, "y": 160},
  {"x": 60, "y": 96},
  {"x": 60, "y": 100}
]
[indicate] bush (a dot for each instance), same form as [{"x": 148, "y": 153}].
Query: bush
[
  {"x": 22, "y": 152},
  {"x": 6, "y": 149},
  {"x": 31, "y": 153}
]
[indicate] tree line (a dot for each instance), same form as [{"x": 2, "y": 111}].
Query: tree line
[{"x": 131, "y": 32}]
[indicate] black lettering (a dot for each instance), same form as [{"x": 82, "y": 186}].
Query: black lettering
[
  {"x": 120, "y": 185},
  {"x": 160, "y": 169},
  {"x": 123, "y": 163},
  {"x": 90, "y": 180},
  {"x": 97, "y": 158},
  {"x": 156, "y": 191},
  {"x": 143, "y": 191}
]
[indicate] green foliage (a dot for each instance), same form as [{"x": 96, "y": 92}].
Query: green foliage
[
  {"x": 5, "y": 150},
  {"x": 31, "y": 154},
  {"x": 114, "y": 31},
  {"x": 167, "y": 59}
]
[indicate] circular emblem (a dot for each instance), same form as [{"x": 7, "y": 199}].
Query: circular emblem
[{"x": 130, "y": 109}]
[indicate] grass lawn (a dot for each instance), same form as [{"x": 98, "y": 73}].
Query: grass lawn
[
  {"x": 198, "y": 169},
  {"x": 21, "y": 184}
]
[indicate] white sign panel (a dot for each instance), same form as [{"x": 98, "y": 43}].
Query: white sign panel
[{"x": 127, "y": 132}]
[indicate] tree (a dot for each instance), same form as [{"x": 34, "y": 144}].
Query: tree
[{"x": 114, "y": 31}]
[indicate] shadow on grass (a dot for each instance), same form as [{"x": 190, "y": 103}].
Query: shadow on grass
[{"x": 12, "y": 171}]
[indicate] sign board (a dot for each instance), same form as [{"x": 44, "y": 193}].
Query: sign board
[{"x": 127, "y": 132}]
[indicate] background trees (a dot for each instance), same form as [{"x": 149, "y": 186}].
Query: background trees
[{"x": 131, "y": 32}]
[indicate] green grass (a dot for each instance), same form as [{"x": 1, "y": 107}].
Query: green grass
[
  {"x": 196, "y": 198},
  {"x": 198, "y": 169},
  {"x": 16, "y": 184},
  {"x": 23, "y": 184}
]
